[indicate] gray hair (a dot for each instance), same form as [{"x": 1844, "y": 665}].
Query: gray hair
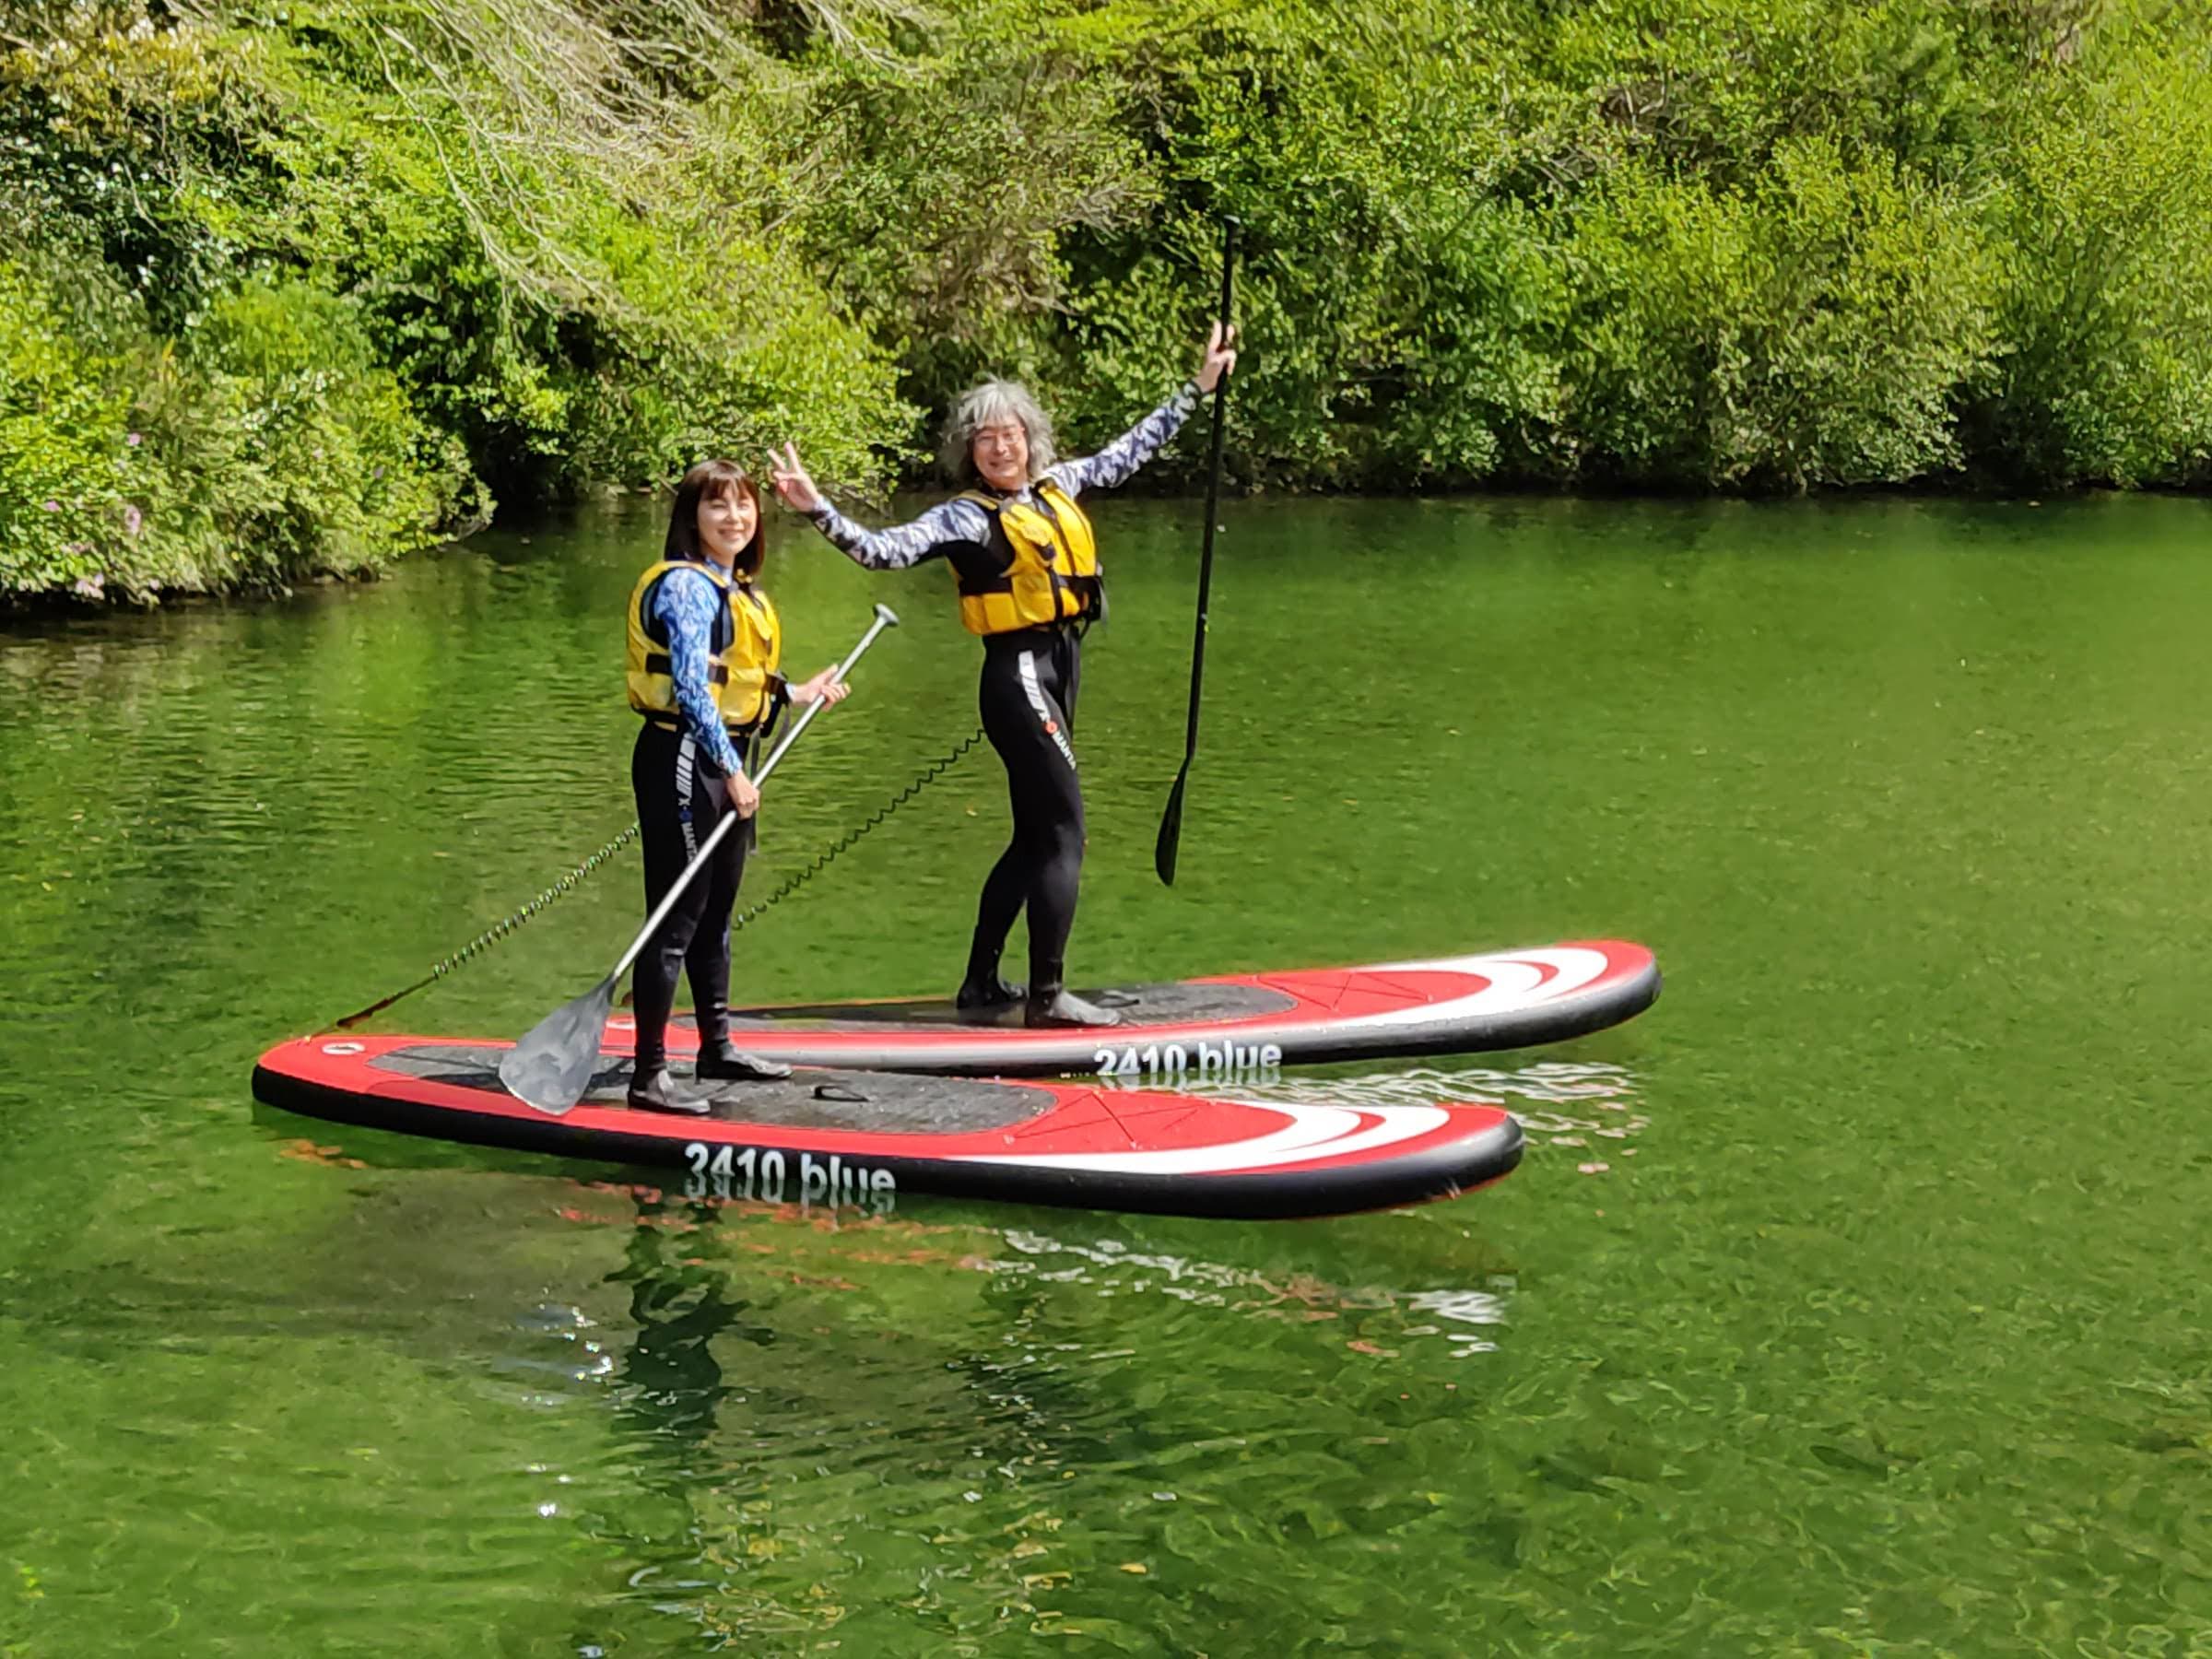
[{"x": 984, "y": 406}]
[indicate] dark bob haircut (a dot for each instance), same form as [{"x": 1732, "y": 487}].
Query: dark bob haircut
[{"x": 710, "y": 481}]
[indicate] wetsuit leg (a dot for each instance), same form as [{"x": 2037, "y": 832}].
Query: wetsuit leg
[
  {"x": 707, "y": 963},
  {"x": 1005, "y": 890},
  {"x": 679, "y": 802},
  {"x": 1028, "y": 679}
]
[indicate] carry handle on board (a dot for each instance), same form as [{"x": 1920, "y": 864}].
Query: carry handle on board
[{"x": 552, "y": 1066}]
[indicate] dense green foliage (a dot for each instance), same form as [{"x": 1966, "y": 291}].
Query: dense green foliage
[{"x": 295, "y": 289}]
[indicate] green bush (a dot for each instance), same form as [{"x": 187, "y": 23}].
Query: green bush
[
  {"x": 2106, "y": 305},
  {"x": 292, "y": 293},
  {"x": 270, "y": 450},
  {"x": 1810, "y": 331},
  {"x": 64, "y": 443},
  {"x": 289, "y": 451}
]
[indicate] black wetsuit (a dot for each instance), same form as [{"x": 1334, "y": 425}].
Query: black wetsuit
[
  {"x": 1044, "y": 862},
  {"x": 1026, "y": 699},
  {"x": 681, "y": 797}
]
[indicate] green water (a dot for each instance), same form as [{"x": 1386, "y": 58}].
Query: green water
[{"x": 1851, "y": 1300}]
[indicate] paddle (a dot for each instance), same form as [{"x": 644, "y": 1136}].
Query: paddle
[
  {"x": 1171, "y": 822},
  {"x": 552, "y": 1066}
]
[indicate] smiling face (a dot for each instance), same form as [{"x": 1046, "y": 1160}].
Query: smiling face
[
  {"x": 1001, "y": 452},
  {"x": 727, "y": 522}
]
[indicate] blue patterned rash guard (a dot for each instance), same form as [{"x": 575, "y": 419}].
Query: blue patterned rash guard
[
  {"x": 955, "y": 522},
  {"x": 686, "y": 610}
]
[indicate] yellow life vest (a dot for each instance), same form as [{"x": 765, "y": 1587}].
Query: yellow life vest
[
  {"x": 744, "y": 649},
  {"x": 1052, "y": 572}
]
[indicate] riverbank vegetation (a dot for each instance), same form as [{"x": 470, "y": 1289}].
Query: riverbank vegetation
[{"x": 297, "y": 287}]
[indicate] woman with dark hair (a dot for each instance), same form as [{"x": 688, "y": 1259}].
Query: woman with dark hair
[
  {"x": 1027, "y": 569},
  {"x": 703, "y": 652}
]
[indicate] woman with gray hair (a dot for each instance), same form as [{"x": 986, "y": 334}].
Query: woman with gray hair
[{"x": 1027, "y": 569}]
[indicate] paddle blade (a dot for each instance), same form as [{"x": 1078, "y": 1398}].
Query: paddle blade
[
  {"x": 552, "y": 1066},
  {"x": 1171, "y": 830}
]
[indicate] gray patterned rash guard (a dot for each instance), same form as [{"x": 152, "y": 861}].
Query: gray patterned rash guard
[{"x": 957, "y": 522}]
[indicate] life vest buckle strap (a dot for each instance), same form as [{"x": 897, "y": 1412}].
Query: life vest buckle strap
[{"x": 659, "y": 662}]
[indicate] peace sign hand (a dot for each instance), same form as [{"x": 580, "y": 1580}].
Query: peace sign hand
[{"x": 791, "y": 480}]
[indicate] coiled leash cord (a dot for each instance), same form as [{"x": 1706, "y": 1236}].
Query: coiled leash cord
[
  {"x": 569, "y": 883},
  {"x": 498, "y": 930},
  {"x": 821, "y": 861}
]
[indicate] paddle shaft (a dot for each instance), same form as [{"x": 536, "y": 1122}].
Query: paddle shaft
[
  {"x": 885, "y": 619},
  {"x": 1213, "y": 496},
  {"x": 1165, "y": 849}
]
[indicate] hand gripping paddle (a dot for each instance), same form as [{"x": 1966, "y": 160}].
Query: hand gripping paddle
[{"x": 552, "y": 1066}]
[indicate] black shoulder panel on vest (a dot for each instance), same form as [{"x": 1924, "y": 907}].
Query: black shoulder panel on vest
[
  {"x": 981, "y": 567},
  {"x": 725, "y": 629}
]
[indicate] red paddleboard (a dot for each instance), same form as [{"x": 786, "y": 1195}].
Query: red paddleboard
[
  {"x": 865, "y": 1137},
  {"x": 1231, "y": 1025}
]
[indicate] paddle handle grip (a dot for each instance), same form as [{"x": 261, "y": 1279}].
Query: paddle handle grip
[{"x": 885, "y": 618}]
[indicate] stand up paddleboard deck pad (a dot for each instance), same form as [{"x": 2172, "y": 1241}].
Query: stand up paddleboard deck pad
[
  {"x": 1231, "y": 1025},
  {"x": 828, "y": 1137}
]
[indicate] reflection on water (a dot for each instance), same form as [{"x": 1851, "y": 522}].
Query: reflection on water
[
  {"x": 1547, "y": 1082},
  {"x": 1590, "y": 1107},
  {"x": 819, "y": 1399},
  {"x": 680, "y": 1302},
  {"x": 1108, "y": 1268}
]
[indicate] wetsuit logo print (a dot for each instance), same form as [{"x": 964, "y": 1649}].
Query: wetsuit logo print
[
  {"x": 1035, "y": 693},
  {"x": 684, "y": 752}
]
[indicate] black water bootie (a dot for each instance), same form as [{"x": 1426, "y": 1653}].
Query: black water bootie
[
  {"x": 723, "y": 1063},
  {"x": 655, "y": 1091},
  {"x": 1056, "y": 1007},
  {"x": 982, "y": 992}
]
